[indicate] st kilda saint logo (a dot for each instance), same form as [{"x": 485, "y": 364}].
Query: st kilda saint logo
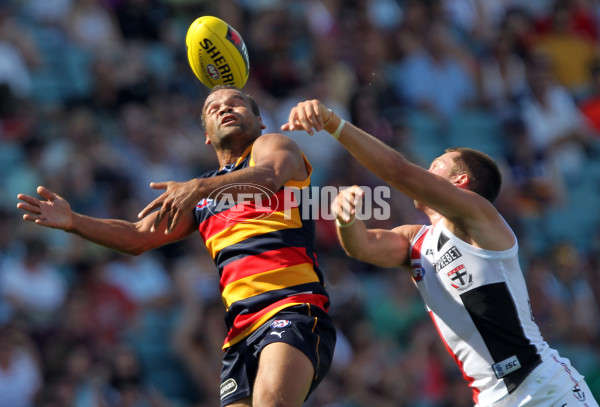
[{"x": 461, "y": 278}]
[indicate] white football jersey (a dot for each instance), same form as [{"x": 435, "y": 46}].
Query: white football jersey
[{"x": 479, "y": 303}]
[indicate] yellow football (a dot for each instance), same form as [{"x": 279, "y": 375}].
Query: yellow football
[{"x": 217, "y": 53}]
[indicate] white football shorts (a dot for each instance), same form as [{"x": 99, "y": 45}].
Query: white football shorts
[{"x": 555, "y": 383}]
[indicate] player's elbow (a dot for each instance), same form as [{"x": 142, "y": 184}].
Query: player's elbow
[
  {"x": 272, "y": 185},
  {"x": 134, "y": 251},
  {"x": 357, "y": 252},
  {"x": 267, "y": 181},
  {"x": 136, "y": 247},
  {"x": 351, "y": 252}
]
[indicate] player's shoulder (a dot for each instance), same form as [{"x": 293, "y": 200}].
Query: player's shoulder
[
  {"x": 276, "y": 137},
  {"x": 410, "y": 232},
  {"x": 270, "y": 141}
]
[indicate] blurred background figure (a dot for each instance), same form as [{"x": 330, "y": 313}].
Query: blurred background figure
[
  {"x": 33, "y": 286},
  {"x": 555, "y": 123},
  {"x": 501, "y": 76},
  {"x": 21, "y": 375},
  {"x": 435, "y": 78},
  {"x": 568, "y": 36},
  {"x": 589, "y": 103},
  {"x": 126, "y": 385}
]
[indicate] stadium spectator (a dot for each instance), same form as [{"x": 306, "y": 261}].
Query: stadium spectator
[
  {"x": 33, "y": 286},
  {"x": 531, "y": 184},
  {"x": 570, "y": 54},
  {"x": 108, "y": 308},
  {"x": 21, "y": 376},
  {"x": 589, "y": 103},
  {"x": 435, "y": 78},
  {"x": 501, "y": 77},
  {"x": 572, "y": 294},
  {"x": 554, "y": 122},
  {"x": 91, "y": 26}
]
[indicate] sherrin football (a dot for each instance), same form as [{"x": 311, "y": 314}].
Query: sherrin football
[{"x": 217, "y": 53}]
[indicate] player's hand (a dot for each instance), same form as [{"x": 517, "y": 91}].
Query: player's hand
[
  {"x": 310, "y": 115},
  {"x": 346, "y": 203},
  {"x": 54, "y": 211},
  {"x": 179, "y": 198}
]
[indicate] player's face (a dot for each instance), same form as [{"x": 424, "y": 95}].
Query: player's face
[{"x": 228, "y": 113}]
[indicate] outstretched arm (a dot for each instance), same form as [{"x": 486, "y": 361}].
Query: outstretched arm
[
  {"x": 384, "y": 248},
  {"x": 468, "y": 214},
  {"x": 385, "y": 162},
  {"x": 277, "y": 159},
  {"x": 132, "y": 238}
]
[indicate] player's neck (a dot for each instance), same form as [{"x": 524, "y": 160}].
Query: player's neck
[
  {"x": 231, "y": 155},
  {"x": 434, "y": 217}
]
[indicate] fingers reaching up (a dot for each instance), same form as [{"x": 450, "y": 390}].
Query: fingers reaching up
[{"x": 52, "y": 211}]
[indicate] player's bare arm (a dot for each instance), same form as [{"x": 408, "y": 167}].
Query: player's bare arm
[
  {"x": 277, "y": 159},
  {"x": 384, "y": 248},
  {"x": 385, "y": 162},
  {"x": 132, "y": 238},
  {"x": 466, "y": 213}
]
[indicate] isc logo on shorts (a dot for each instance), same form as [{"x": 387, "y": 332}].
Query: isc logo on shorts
[
  {"x": 506, "y": 366},
  {"x": 280, "y": 323}
]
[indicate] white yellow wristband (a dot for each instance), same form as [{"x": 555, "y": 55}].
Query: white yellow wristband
[
  {"x": 337, "y": 132},
  {"x": 344, "y": 225}
]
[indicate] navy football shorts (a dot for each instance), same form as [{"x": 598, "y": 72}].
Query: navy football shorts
[{"x": 316, "y": 341}]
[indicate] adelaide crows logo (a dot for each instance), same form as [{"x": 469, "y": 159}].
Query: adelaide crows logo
[{"x": 204, "y": 203}]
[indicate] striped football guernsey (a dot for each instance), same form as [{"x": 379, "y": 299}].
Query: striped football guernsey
[{"x": 264, "y": 252}]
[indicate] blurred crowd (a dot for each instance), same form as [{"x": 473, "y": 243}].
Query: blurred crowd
[{"x": 97, "y": 100}]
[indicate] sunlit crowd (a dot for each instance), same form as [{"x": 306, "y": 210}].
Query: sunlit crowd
[{"x": 97, "y": 100}]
